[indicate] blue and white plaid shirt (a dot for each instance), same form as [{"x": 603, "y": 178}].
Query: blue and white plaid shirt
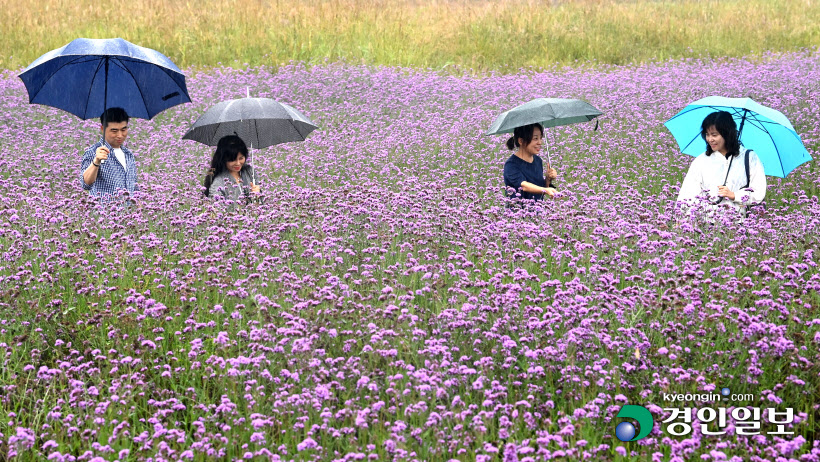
[{"x": 112, "y": 177}]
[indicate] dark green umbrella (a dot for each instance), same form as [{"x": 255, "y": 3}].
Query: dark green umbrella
[{"x": 549, "y": 112}]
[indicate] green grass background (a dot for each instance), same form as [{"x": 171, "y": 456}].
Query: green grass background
[{"x": 492, "y": 35}]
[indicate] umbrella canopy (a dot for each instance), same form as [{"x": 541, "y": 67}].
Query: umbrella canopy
[
  {"x": 260, "y": 122},
  {"x": 88, "y": 76},
  {"x": 549, "y": 112},
  {"x": 765, "y": 130}
]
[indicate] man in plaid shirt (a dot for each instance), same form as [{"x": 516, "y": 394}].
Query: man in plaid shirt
[{"x": 103, "y": 177}]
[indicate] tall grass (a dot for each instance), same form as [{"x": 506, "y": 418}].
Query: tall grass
[{"x": 419, "y": 33}]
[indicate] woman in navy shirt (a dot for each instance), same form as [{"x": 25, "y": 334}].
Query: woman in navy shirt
[{"x": 524, "y": 170}]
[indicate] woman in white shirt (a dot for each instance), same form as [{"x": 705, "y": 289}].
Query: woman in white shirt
[{"x": 719, "y": 174}]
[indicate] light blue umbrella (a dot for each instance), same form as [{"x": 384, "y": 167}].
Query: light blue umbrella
[{"x": 764, "y": 130}]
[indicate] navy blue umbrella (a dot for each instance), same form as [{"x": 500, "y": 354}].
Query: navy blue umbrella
[{"x": 88, "y": 76}]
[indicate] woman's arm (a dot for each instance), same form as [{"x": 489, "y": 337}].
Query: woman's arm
[
  {"x": 219, "y": 188},
  {"x": 514, "y": 178},
  {"x": 691, "y": 186},
  {"x": 526, "y": 186}
]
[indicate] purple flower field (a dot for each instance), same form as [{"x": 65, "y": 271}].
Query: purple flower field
[{"x": 385, "y": 303}]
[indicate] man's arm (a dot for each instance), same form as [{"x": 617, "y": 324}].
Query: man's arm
[{"x": 89, "y": 170}]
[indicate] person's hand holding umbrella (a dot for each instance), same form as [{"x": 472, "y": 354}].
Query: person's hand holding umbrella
[
  {"x": 723, "y": 191},
  {"x": 101, "y": 155},
  {"x": 551, "y": 174}
]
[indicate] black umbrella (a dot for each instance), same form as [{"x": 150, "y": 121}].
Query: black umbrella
[{"x": 260, "y": 122}]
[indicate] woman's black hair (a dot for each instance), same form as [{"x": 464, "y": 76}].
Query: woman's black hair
[
  {"x": 227, "y": 150},
  {"x": 726, "y": 126},
  {"x": 525, "y": 133}
]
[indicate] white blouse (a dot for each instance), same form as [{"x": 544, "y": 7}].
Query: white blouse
[{"x": 707, "y": 173}]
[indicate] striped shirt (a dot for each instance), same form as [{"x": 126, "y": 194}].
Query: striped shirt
[{"x": 111, "y": 177}]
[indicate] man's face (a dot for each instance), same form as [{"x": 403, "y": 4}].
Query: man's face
[{"x": 115, "y": 133}]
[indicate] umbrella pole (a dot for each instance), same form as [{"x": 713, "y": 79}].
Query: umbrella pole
[
  {"x": 105, "y": 104},
  {"x": 547, "y": 145},
  {"x": 253, "y": 175},
  {"x": 253, "y": 170},
  {"x": 742, "y": 123}
]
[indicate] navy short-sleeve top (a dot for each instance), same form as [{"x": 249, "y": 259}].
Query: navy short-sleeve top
[{"x": 517, "y": 170}]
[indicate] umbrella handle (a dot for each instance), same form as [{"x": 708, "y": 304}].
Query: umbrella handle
[{"x": 253, "y": 172}]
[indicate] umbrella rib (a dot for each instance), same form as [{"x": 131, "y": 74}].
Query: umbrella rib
[
  {"x": 690, "y": 142},
  {"x": 779, "y": 159},
  {"x": 91, "y": 87},
  {"x": 767, "y": 132},
  {"x": 296, "y": 127},
  {"x": 137, "y": 60},
  {"x": 142, "y": 96},
  {"x": 776, "y": 150},
  {"x": 256, "y": 129},
  {"x": 685, "y": 111},
  {"x": 31, "y": 98},
  {"x": 759, "y": 123},
  {"x": 171, "y": 74}
]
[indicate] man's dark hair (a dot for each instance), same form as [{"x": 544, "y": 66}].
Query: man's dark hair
[
  {"x": 726, "y": 126},
  {"x": 525, "y": 133},
  {"x": 227, "y": 150},
  {"x": 113, "y": 114}
]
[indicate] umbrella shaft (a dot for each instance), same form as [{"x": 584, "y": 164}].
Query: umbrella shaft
[
  {"x": 105, "y": 102},
  {"x": 742, "y": 123}
]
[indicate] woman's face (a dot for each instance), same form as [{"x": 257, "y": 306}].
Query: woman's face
[
  {"x": 715, "y": 140},
  {"x": 534, "y": 147},
  {"x": 236, "y": 165}
]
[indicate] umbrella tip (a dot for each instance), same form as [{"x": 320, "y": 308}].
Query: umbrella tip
[{"x": 248, "y": 92}]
